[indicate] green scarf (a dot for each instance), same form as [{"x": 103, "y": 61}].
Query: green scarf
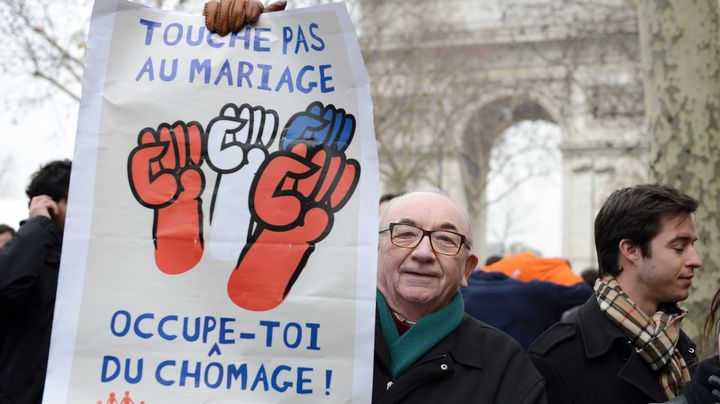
[{"x": 415, "y": 342}]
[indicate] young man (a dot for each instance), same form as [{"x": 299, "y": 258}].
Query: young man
[
  {"x": 625, "y": 344},
  {"x": 29, "y": 266},
  {"x": 426, "y": 349}
]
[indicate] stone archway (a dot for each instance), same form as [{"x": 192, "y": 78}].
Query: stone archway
[
  {"x": 481, "y": 133},
  {"x": 445, "y": 90}
]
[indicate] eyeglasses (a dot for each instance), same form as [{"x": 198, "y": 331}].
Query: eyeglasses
[{"x": 443, "y": 242}]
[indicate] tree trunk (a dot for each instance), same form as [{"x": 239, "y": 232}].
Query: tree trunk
[{"x": 680, "y": 42}]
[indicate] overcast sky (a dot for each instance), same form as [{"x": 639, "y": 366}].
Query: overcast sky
[{"x": 32, "y": 137}]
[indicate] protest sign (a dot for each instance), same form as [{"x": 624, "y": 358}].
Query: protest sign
[{"x": 221, "y": 237}]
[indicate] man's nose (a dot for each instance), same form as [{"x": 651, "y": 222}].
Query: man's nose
[
  {"x": 693, "y": 261},
  {"x": 424, "y": 248}
]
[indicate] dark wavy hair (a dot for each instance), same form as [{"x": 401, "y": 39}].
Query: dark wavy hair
[
  {"x": 52, "y": 179},
  {"x": 634, "y": 213}
]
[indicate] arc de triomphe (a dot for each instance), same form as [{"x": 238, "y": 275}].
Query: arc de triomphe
[{"x": 448, "y": 79}]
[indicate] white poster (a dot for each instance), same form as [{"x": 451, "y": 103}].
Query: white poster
[{"x": 222, "y": 221}]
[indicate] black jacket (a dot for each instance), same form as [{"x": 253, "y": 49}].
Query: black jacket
[
  {"x": 587, "y": 359},
  {"x": 29, "y": 266},
  {"x": 474, "y": 364}
]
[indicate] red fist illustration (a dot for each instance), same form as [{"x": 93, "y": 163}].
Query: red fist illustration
[
  {"x": 294, "y": 198},
  {"x": 164, "y": 174}
]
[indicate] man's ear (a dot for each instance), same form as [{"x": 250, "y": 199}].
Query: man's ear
[
  {"x": 470, "y": 265},
  {"x": 629, "y": 250}
]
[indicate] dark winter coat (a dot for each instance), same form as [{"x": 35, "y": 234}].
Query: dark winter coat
[
  {"x": 588, "y": 359},
  {"x": 29, "y": 266},
  {"x": 474, "y": 364},
  {"x": 522, "y": 309}
]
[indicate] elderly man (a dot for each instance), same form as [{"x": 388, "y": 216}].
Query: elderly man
[
  {"x": 625, "y": 344},
  {"x": 426, "y": 349}
]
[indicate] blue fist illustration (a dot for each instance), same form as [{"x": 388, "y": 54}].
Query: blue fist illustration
[{"x": 319, "y": 125}]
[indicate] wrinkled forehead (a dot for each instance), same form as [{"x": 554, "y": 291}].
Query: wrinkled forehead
[{"x": 427, "y": 210}]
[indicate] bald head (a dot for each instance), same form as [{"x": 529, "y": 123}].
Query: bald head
[
  {"x": 428, "y": 200},
  {"x": 416, "y": 281}
]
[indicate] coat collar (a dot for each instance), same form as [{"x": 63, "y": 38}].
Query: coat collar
[
  {"x": 455, "y": 345},
  {"x": 600, "y": 336},
  {"x": 597, "y": 332}
]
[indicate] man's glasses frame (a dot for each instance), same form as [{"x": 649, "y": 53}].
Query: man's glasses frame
[{"x": 393, "y": 238}]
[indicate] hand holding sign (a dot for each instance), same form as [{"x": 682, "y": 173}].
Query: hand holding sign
[
  {"x": 238, "y": 142},
  {"x": 227, "y": 16},
  {"x": 296, "y": 193},
  {"x": 164, "y": 174}
]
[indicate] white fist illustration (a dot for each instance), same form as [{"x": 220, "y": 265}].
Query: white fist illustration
[{"x": 237, "y": 144}]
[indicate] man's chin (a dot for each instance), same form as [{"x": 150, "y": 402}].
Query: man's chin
[
  {"x": 417, "y": 294},
  {"x": 679, "y": 296}
]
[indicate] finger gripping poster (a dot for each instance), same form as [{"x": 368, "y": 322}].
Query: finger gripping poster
[{"x": 221, "y": 236}]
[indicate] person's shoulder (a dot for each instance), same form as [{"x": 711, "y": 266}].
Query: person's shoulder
[
  {"x": 470, "y": 324},
  {"x": 494, "y": 352},
  {"x": 483, "y": 277},
  {"x": 586, "y": 316},
  {"x": 36, "y": 225},
  {"x": 486, "y": 335},
  {"x": 491, "y": 344},
  {"x": 34, "y": 221},
  {"x": 557, "y": 335}
]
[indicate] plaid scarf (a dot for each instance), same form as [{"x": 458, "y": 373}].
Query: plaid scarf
[{"x": 654, "y": 339}]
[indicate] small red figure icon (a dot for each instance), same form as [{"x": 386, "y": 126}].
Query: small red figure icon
[{"x": 127, "y": 399}]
